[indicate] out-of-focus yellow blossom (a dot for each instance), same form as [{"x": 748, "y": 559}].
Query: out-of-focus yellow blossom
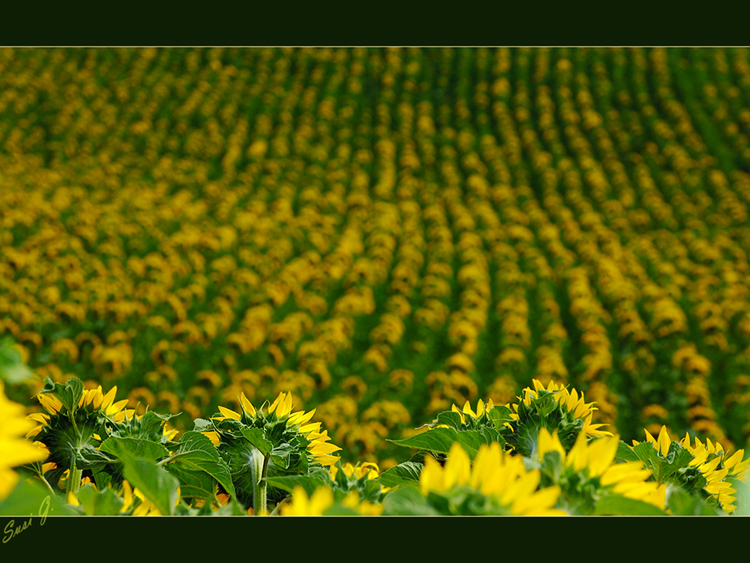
[
  {"x": 14, "y": 449},
  {"x": 493, "y": 473}
]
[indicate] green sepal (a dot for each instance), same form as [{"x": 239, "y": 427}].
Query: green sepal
[
  {"x": 626, "y": 453},
  {"x": 672, "y": 468},
  {"x": 149, "y": 427},
  {"x": 69, "y": 394},
  {"x": 202, "y": 425},
  {"x": 449, "y": 418},
  {"x": 499, "y": 415}
]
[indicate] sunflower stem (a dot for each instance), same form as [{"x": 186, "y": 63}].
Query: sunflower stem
[
  {"x": 44, "y": 480},
  {"x": 74, "y": 479},
  {"x": 258, "y": 469}
]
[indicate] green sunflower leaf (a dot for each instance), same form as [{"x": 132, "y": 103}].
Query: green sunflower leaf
[
  {"x": 156, "y": 484},
  {"x": 256, "y": 437},
  {"x": 197, "y": 458},
  {"x": 30, "y": 498},
  {"x": 406, "y": 473},
  {"x": 440, "y": 440},
  {"x": 288, "y": 482},
  {"x": 743, "y": 497},
  {"x": 682, "y": 503},
  {"x": 103, "y": 502},
  {"x": 618, "y": 505},
  {"x": 407, "y": 501},
  {"x": 133, "y": 447},
  {"x": 89, "y": 457},
  {"x": 193, "y": 484}
]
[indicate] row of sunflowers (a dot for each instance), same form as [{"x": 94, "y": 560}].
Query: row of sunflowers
[
  {"x": 382, "y": 233},
  {"x": 542, "y": 455}
]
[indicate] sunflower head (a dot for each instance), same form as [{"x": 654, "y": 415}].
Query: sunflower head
[
  {"x": 15, "y": 449},
  {"x": 74, "y": 422},
  {"x": 554, "y": 408},
  {"x": 589, "y": 472},
  {"x": 703, "y": 470},
  {"x": 149, "y": 426},
  {"x": 274, "y": 435},
  {"x": 496, "y": 483},
  {"x": 486, "y": 415},
  {"x": 362, "y": 480}
]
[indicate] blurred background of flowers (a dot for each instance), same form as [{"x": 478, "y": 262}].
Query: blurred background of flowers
[{"x": 381, "y": 233}]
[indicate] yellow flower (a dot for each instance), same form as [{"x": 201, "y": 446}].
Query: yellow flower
[
  {"x": 494, "y": 474},
  {"x": 134, "y": 497},
  {"x": 482, "y": 408},
  {"x": 302, "y": 505},
  {"x": 93, "y": 397},
  {"x": 361, "y": 506},
  {"x": 596, "y": 459},
  {"x": 368, "y": 469},
  {"x": 15, "y": 450},
  {"x": 570, "y": 400},
  {"x": 320, "y": 445},
  {"x": 718, "y": 467}
]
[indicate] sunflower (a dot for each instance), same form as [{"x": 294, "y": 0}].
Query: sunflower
[
  {"x": 589, "y": 471},
  {"x": 74, "y": 422},
  {"x": 323, "y": 502},
  {"x": 271, "y": 441},
  {"x": 705, "y": 469},
  {"x": 482, "y": 410},
  {"x": 304, "y": 505},
  {"x": 93, "y": 398},
  {"x": 736, "y": 467},
  {"x": 497, "y": 483},
  {"x": 15, "y": 450},
  {"x": 556, "y": 409}
]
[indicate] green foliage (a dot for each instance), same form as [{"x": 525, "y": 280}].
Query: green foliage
[
  {"x": 408, "y": 501},
  {"x": 12, "y": 368},
  {"x": 617, "y": 505},
  {"x": 673, "y": 468},
  {"x": 260, "y": 461},
  {"x": 100, "y": 502},
  {"x": 440, "y": 440},
  {"x": 198, "y": 466},
  {"x": 156, "y": 484},
  {"x": 406, "y": 473},
  {"x": 31, "y": 497},
  {"x": 682, "y": 503}
]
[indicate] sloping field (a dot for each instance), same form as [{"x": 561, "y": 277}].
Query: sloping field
[{"x": 383, "y": 233}]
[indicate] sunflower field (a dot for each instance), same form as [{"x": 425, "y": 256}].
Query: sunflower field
[{"x": 375, "y": 281}]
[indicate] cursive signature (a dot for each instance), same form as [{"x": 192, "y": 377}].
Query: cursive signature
[{"x": 12, "y": 530}]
